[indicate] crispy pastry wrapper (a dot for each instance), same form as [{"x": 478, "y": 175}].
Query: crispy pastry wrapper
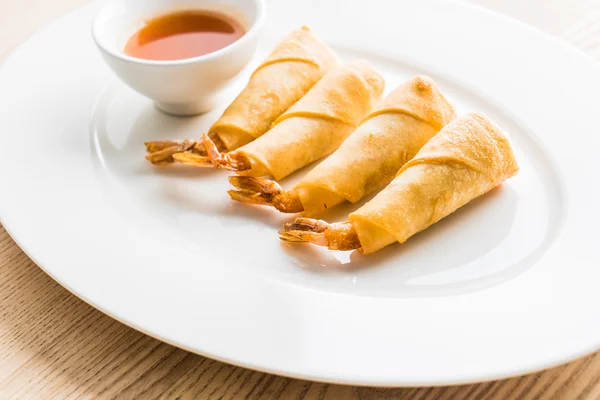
[
  {"x": 389, "y": 137},
  {"x": 318, "y": 123},
  {"x": 469, "y": 157},
  {"x": 298, "y": 62}
]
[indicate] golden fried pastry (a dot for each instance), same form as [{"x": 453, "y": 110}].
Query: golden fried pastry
[{"x": 469, "y": 157}]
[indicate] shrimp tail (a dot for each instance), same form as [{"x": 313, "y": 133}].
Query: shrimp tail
[
  {"x": 162, "y": 151},
  {"x": 338, "y": 236},
  {"x": 192, "y": 159},
  {"x": 232, "y": 161},
  {"x": 264, "y": 192},
  {"x": 190, "y": 152}
]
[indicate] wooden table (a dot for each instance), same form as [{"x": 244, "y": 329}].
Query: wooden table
[{"x": 53, "y": 345}]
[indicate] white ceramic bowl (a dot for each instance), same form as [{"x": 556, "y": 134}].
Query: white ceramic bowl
[{"x": 181, "y": 87}]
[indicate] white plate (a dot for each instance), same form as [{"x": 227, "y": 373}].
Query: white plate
[{"x": 507, "y": 285}]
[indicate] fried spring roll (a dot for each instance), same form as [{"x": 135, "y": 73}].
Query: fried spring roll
[
  {"x": 311, "y": 129},
  {"x": 296, "y": 64},
  {"x": 288, "y": 73},
  {"x": 469, "y": 157},
  {"x": 368, "y": 160}
]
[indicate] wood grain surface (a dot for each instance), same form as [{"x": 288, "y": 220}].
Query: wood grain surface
[{"x": 53, "y": 345}]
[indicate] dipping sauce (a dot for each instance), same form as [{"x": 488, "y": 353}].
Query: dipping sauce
[{"x": 184, "y": 34}]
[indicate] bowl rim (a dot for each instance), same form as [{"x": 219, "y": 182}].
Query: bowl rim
[{"x": 252, "y": 31}]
